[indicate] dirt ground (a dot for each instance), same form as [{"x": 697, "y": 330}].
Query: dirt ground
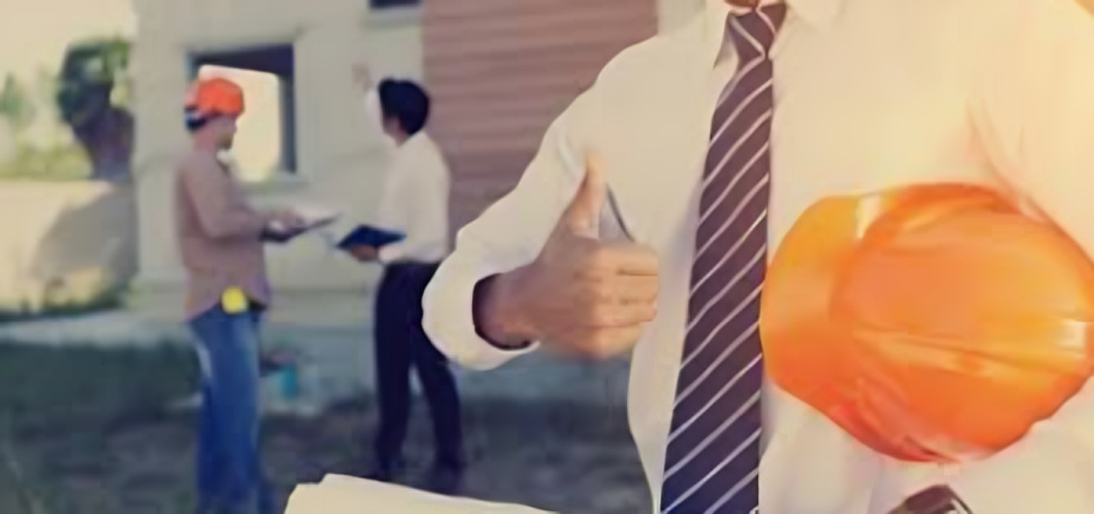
[{"x": 100, "y": 451}]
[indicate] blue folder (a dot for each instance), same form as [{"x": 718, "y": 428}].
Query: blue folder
[{"x": 365, "y": 235}]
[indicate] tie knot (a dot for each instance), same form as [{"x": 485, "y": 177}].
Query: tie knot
[{"x": 754, "y": 32}]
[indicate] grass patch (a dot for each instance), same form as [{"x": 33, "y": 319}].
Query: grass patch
[
  {"x": 46, "y": 387},
  {"x": 75, "y": 395},
  {"x": 61, "y": 163}
]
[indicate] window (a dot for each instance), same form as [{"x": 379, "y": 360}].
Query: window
[
  {"x": 265, "y": 144},
  {"x": 384, "y": 4}
]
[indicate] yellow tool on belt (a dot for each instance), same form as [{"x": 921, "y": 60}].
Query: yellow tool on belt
[{"x": 234, "y": 301}]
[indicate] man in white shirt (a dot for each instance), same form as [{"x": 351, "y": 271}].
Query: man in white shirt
[
  {"x": 415, "y": 203},
  {"x": 705, "y": 145}
]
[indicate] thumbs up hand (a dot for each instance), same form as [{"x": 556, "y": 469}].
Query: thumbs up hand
[{"x": 580, "y": 296}]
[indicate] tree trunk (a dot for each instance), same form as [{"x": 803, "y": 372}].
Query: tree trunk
[{"x": 108, "y": 140}]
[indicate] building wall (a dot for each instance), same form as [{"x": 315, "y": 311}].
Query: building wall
[
  {"x": 500, "y": 71},
  {"x": 339, "y": 157},
  {"x": 69, "y": 242}
]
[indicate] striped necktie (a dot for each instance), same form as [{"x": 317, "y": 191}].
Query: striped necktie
[{"x": 713, "y": 454}]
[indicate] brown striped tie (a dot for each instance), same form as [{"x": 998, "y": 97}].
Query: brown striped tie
[{"x": 713, "y": 454}]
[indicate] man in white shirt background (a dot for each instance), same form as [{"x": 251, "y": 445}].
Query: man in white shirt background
[
  {"x": 415, "y": 203},
  {"x": 647, "y": 216}
]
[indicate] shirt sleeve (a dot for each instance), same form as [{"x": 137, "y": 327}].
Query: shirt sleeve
[
  {"x": 508, "y": 235},
  {"x": 1035, "y": 114},
  {"x": 220, "y": 210}
]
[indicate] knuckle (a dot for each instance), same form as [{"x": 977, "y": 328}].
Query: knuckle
[
  {"x": 594, "y": 289},
  {"x": 600, "y": 258},
  {"x": 602, "y": 291},
  {"x": 590, "y": 294},
  {"x": 650, "y": 289},
  {"x": 599, "y": 314}
]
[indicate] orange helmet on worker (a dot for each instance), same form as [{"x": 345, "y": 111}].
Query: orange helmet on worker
[{"x": 212, "y": 108}]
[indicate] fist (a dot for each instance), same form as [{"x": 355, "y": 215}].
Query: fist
[{"x": 582, "y": 296}]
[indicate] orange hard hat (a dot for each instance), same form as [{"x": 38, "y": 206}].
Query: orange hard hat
[
  {"x": 934, "y": 323},
  {"x": 214, "y": 97}
]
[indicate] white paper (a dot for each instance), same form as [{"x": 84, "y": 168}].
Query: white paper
[
  {"x": 312, "y": 216},
  {"x": 338, "y": 494}
]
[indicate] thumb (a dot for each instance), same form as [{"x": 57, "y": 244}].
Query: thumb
[{"x": 583, "y": 215}]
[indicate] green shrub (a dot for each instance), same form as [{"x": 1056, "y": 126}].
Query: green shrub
[
  {"x": 104, "y": 300},
  {"x": 51, "y": 164}
]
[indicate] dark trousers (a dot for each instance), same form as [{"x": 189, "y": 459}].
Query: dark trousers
[{"x": 401, "y": 344}]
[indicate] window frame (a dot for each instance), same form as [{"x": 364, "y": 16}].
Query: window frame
[{"x": 288, "y": 166}]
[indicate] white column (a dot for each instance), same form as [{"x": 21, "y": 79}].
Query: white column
[{"x": 159, "y": 82}]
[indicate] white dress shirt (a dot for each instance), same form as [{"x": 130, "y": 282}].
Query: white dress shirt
[
  {"x": 415, "y": 197},
  {"x": 870, "y": 94}
]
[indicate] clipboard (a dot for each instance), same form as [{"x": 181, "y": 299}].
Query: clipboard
[
  {"x": 367, "y": 235},
  {"x": 314, "y": 218}
]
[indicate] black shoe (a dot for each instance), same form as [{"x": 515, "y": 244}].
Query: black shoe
[
  {"x": 446, "y": 480},
  {"x": 387, "y": 471}
]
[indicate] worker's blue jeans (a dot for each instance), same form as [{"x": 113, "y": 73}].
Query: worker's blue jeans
[{"x": 229, "y": 474}]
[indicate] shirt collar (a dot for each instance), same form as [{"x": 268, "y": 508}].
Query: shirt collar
[
  {"x": 820, "y": 13},
  {"x": 417, "y": 139}
]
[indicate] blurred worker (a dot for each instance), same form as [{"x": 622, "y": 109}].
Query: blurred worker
[
  {"x": 415, "y": 202},
  {"x": 221, "y": 240}
]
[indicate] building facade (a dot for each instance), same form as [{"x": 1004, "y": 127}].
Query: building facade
[{"x": 499, "y": 71}]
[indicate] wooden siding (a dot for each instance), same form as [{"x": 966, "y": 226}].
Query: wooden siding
[{"x": 500, "y": 71}]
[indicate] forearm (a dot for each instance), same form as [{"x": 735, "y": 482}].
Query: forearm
[{"x": 465, "y": 314}]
